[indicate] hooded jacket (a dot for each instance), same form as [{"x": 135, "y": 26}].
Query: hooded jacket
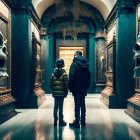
[
  {"x": 79, "y": 76},
  {"x": 59, "y": 82}
]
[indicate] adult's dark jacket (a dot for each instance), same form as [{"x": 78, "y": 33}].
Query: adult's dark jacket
[{"x": 79, "y": 76}]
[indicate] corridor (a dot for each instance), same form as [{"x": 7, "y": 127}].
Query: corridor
[{"x": 102, "y": 123}]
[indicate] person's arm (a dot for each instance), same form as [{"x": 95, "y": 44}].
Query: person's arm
[
  {"x": 66, "y": 84},
  {"x": 72, "y": 76},
  {"x": 51, "y": 82},
  {"x": 89, "y": 78}
]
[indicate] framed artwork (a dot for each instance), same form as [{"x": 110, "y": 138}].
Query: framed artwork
[
  {"x": 36, "y": 62},
  {"x": 137, "y": 61},
  {"x": 38, "y": 70},
  {"x": 138, "y": 19},
  {"x": 100, "y": 61},
  {"x": 139, "y": 25},
  {"x": 110, "y": 57},
  {"x": 110, "y": 65},
  {"x": 5, "y": 81}
]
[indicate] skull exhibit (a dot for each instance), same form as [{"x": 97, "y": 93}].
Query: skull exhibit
[{"x": 3, "y": 57}]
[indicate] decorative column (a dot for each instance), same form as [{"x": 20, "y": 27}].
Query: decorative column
[
  {"x": 133, "y": 103},
  {"x": 44, "y": 57},
  {"x": 100, "y": 60},
  {"x": 21, "y": 52},
  {"x": 92, "y": 62},
  {"x": 50, "y": 61},
  {"x": 125, "y": 41}
]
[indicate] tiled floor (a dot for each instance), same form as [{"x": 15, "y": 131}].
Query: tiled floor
[{"x": 102, "y": 123}]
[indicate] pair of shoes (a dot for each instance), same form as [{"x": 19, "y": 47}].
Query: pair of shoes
[
  {"x": 62, "y": 123},
  {"x": 75, "y": 124}
]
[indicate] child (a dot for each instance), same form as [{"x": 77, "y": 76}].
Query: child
[{"x": 59, "y": 86}]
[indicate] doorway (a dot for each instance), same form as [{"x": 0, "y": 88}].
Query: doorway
[{"x": 67, "y": 53}]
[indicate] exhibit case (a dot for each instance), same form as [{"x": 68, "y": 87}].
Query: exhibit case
[
  {"x": 133, "y": 103},
  {"x": 7, "y": 101},
  {"x": 37, "y": 96},
  {"x": 108, "y": 95}
]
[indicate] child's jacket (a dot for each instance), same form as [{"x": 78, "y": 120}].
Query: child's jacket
[{"x": 59, "y": 82}]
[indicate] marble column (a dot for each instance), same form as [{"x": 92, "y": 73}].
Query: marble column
[
  {"x": 125, "y": 41},
  {"x": 44, "y": 59},
  {"x": 50, "y": 61},
  {"x": 92, "y": 62},
  {"x": 21, "y": 52}
]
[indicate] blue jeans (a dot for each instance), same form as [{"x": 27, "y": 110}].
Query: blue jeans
[{"x": 58, "y": 104}]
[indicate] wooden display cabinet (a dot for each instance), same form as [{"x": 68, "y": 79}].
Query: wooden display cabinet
[
  {"x": 133, "y": 103},
  {"x": 108, "y": 95},
  {"x": 7, "y": 101},
  {"x": 37, "y": 93}
]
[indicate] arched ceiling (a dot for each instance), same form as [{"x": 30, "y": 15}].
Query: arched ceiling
[{"x": 103, "y": 6}]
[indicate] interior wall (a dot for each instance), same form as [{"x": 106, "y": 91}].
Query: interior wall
[
  {"x": 81, "y": 42},
  {"x": 65, "y": 28}
]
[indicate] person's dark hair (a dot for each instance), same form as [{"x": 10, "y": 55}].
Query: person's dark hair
[
  {"x": 59, "y": 63},
  {"x": 79, "y": 53}
]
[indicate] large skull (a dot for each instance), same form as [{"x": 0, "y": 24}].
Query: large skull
[{"x": 3, "y": 56}]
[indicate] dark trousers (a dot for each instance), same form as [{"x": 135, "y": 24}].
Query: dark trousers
[
  {"x": 58, "y": 104},
  {"x": 80, "y": 104}
]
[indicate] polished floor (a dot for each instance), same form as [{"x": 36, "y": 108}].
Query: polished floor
[{"x": 102, "y": 123}]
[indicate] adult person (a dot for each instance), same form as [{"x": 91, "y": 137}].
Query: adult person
[{"x": 79, "y": 80}]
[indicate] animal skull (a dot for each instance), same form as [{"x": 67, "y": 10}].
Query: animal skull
[{"x": 3, "y": 56}]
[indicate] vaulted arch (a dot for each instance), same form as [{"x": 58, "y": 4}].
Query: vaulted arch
[{"x": 103, "y": 6}]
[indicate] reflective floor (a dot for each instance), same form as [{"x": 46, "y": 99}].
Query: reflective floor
[{"x": 102, "y": 123}]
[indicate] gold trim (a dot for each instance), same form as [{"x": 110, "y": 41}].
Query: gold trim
[
  {"x": 137, "y": 90},
  {"x": 5, "y": 91},
  {"x": 6, "y": 5},
  {"x": 4, "y": 17},
  {"x": 111, "y": 15}
]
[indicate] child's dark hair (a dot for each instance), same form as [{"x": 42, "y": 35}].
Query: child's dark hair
[
  {"x": 79, "y": 53},
  {"x": 59, "y": 63}
]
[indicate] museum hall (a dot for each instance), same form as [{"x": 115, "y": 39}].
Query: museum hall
[{"x": 36, "y": 33}]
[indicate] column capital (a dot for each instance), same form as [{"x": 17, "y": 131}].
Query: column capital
[
  {"x": 100, "y": 34},
  {"x": 43, "y": 32},
  {"x": 126, "y": 6},
  {"x": 20, "y": 5}
]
